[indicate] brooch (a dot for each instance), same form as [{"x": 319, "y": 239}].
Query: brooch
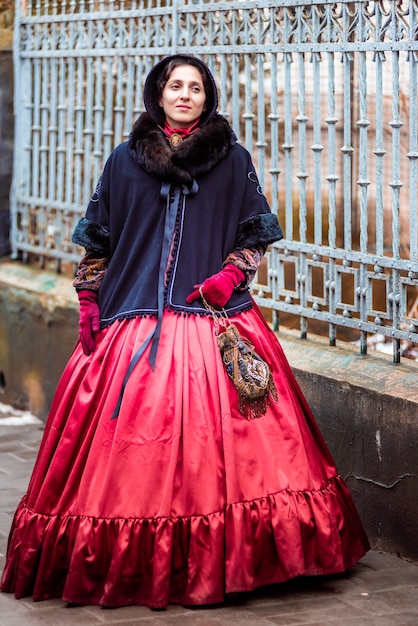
[{"x": 175, "y": 140}]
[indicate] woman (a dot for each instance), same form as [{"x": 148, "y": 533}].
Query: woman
[{"x": 153, "y": 483}]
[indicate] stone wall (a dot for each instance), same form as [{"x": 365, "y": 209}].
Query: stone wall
[{"x": 38, "y": 330}]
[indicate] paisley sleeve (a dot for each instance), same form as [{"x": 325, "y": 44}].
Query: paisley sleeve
[
  {"x": 247, "y": 260},
  {"x": 90, "y": 273}
]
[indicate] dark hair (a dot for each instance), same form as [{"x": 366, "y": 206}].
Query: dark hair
[{"x": 171, "y": 65}]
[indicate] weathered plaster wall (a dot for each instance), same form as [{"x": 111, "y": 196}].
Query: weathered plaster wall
[
  {"x": 38, "y": 330},
  {"x": 366, "y": 407}
]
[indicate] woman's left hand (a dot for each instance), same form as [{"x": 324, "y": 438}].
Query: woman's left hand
[{"x": 218, "y": 289}]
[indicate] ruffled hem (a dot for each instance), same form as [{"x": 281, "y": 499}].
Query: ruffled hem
[{"x": 183, "y": 560}]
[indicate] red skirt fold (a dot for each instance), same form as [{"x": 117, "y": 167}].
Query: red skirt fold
[{"x": 180, "y": 499}]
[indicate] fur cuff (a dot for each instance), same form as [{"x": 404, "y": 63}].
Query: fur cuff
[
  {"x": 259, "y": 229},
  {"x": 93, "y": 237}
]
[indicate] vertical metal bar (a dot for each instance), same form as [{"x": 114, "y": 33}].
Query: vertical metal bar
[
  {"x": 141, "y": 69},
  {"x": 119, "y": 108},
  {"x": 175, "y": 26},
  {"x": 332, "y": 176},
  {"x": 363, "y": 181},
  {"x": 70, "y": 132},
  {"x": 79, "y": 148},
  {"x": 380, "y": 152},
  {"x": 188, "y": 29},
  {"x": 236, "y": 95},
  {"x": 317, "y": 146},
  {"x": 332, "y": 179},
  {"x": 396, "y": 183},
  {"x": 347, "y": 149},
  {"x": 60, "y": 217},
  {"x": 88, "y": 128},
  {"x": 44, "y": 119},
  {"x": 413, "y": 160},
  {"x": 274, "y": 118},
  {"x": 288, "y": 146},
  {"x": 36, "y": 127},
  {"x": 98, "y": 119},
  {"x": 129, "y": 87},
  {"x": 248, "y": 114},
  {"x": 61, "y": 130},
  {"x": 302, "y": 173},
  {"x": 129, "y": 98},
  {"x": 111, "y": 126},
  {"x": 223, "y": 100},
  {"x": 235, "y": 82},
  {"x": 274, "y": 172},
  {"x": 261, "y": 124},
  {"x": 20, "y": 71},
  {"x": 53, "y": 128},
  {"x": 41, "y": 220},
  {"x": 211, "y": 63}
]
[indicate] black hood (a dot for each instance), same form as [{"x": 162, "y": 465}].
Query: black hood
[{"x": 151, "y": 94}]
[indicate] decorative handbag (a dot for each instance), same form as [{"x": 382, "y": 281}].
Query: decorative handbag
[{"x": 250, "y": 374}]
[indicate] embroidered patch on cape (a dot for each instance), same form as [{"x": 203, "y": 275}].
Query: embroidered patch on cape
[
  {"x": 252, "y": 176},
  {"x": 95, "y": 196}
]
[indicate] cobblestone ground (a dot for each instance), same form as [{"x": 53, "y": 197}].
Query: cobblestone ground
[{"x": 380, "y": 590}]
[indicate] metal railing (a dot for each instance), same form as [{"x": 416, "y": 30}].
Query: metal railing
[{"x": 323, "y": 94}]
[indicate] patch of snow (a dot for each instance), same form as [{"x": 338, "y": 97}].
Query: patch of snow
[{"x": 9, "y": 416}]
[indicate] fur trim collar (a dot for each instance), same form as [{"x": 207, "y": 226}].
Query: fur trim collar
[{"x": 196, "y": 155}]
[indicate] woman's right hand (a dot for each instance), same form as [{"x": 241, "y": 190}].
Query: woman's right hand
[
  {"x": 89, "y": 322},
  {"x": 218, "y": 288}
]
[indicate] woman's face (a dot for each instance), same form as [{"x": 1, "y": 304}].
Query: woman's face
[{"x": 183, "y": 97}]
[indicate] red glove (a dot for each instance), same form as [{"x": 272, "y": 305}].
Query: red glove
[
  {"x": 89, "y": 322},
  {"x": 218, "y": 289}
]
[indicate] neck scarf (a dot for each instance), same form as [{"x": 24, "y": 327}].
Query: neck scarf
[{"x": 176, "y": 135}]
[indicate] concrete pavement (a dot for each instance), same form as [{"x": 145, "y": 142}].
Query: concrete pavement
[{"x": 381, "y": 590}]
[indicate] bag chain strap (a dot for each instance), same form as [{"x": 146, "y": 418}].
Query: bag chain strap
[{"x": 220, "y": 318}]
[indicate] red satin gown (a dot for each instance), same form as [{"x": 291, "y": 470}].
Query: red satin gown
[{"x": 180, "y": 499}]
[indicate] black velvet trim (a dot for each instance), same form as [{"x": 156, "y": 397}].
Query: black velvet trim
[
  {"x": 259, "y": 229},
  {"x": 205, "y": 313},
  {"x": 199, "y": 313},
  {"x": 126, "y": 316},
  {"x": 93, "y": 237}
]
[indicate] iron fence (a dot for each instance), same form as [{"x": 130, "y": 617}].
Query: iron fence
[{"x": 323, "y": 94}]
